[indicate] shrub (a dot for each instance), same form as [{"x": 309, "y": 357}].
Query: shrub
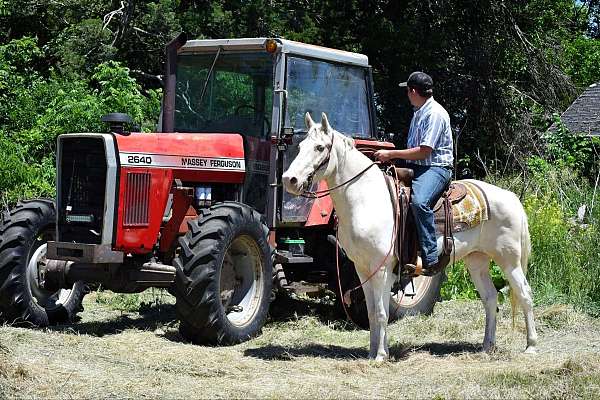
[
  {"x": 563, "y": 267},
  {"x": 571, "y": 149},
  {"x": 35, "y": 109}
]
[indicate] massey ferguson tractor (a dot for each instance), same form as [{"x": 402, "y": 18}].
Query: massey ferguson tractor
[{"x": 198, "y": 207}]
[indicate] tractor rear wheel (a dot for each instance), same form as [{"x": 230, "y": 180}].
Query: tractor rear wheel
[
  {"x": 224, "y": 275},
  {"x": 418, "y": 296},
  {"x": 24, "y": 233}
]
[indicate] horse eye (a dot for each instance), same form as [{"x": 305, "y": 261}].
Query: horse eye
[{"x": 319, "y": 147}]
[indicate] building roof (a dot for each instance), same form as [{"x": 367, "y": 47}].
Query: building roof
[{"x": 583, "y": 116}]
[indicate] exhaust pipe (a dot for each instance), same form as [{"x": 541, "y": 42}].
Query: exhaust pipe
[{"x": 168, "y": 117}]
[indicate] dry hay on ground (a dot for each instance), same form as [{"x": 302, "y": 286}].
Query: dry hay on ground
[{"x": 124, "y": 354}]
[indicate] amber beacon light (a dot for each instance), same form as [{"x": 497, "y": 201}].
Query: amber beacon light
[{"x": 271, "y": 45}]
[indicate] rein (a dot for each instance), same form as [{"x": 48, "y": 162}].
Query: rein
[
  {"x": 324, "y": 193},
  {"x": 346, "y": 295}
]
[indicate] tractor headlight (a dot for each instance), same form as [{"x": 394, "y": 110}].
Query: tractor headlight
[{"x": 203, "y": 196}]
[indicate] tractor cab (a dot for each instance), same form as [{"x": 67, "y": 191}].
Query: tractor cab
[{"x": 262, "y": 88}]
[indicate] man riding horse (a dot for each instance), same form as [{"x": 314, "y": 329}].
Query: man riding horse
[{"x": 429, "y": 153}]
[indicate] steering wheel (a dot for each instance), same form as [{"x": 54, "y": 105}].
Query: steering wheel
[{"x": 251, "y": 107}]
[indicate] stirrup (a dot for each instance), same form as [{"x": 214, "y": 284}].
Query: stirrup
[
  {"x": 438, "y": 267},
  {"x": 417, "y": 270},
  {"x": 412, "y": 269}
]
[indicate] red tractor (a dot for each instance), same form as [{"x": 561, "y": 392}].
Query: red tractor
[{"x": 198, "y": 207}]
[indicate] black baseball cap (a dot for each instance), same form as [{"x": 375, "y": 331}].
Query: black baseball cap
[{"x": 419, "y": 80}]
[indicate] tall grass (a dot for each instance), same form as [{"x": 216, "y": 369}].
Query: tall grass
[
  {"x": 564, "y": 266},
  {"x": 565, "y": 262}
]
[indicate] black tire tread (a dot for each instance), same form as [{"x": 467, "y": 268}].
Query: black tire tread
[
  {"x": 18, "y": 229},
  {"x": 198, "y": 301}
]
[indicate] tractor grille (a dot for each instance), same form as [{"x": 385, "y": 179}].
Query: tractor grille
[
  {"x": 82, "y": 180},
  {"x": 137, "y": 199}
]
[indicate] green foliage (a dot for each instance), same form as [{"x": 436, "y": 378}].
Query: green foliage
[
  {"x": 571, "y": 149},
  {"x": 582, "y": 60},
  {"x": 563, "y": 267},
  {"x": 119, "y": 302},
  {"x": 119, "y": 92},
  {"x": 20, "y": 179},
  {"x": 35, "y": 109},
  {"x": 459, "y": 285},
  {"x": 81, "y": 47}
]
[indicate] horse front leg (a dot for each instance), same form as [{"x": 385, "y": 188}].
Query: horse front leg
[{"x": 377, "y": 295}]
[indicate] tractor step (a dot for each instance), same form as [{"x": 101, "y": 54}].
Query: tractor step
[
  {"x": 307, "y": 289},
  {"x": 287, "y": 257},
  {"x": 154, "y": 274}
]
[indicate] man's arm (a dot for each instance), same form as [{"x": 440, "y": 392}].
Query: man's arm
[{"x": 414, "y": 153}]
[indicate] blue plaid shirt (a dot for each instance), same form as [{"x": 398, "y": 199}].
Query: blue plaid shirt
[{"x": 430, "y": 126}]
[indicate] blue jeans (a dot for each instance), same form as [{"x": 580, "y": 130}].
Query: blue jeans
[{"x": 428, "y": 185}]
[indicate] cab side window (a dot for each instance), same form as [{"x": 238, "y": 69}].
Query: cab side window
[{"x": 338, "y": 90}]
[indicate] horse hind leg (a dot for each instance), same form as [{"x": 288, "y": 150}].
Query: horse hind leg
[
  {"x": 478, "y": 265},
  {"x": 521, "y": 290}
]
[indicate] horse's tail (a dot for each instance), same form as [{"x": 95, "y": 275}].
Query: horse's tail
[{"x": 525, "y": 252}]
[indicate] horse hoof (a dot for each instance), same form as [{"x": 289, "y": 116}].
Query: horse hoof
[
  {"x": 530, "y": 350},
  {"x": 378, "y": 357}
]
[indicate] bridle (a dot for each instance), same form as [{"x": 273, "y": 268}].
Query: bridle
[
  {"x": 323, "y": 193},
  {"x": 324, "y": 163}
]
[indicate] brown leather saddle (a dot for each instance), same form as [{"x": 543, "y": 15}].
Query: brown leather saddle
[{"x": 399, "y": 182}]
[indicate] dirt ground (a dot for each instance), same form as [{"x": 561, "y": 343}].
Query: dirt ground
[{"x": 111, "y": 353}]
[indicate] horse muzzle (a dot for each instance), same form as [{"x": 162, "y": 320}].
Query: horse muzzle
[{"x": 294, "y": 185}]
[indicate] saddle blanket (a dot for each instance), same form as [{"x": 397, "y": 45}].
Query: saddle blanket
[{"x": 468, "y": 212}]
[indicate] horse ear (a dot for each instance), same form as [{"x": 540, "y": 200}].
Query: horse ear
[
  {"x": 325, "y": 123},
  {"x": 308, "y": 120}
]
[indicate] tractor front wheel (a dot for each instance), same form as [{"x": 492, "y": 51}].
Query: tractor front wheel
[
  {"x": 24, "y": 233},
  {"x": 224, "y": 275}
]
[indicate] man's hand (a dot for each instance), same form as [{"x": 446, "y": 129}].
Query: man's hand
[{"x": 383, "y": 155}]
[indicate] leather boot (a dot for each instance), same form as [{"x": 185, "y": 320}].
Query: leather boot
[
  {"x": 427, "y": 270},
  {"x": 430, "y": 270}
]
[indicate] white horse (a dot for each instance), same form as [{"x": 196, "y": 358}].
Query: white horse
[{"x": 365, "y": 231}]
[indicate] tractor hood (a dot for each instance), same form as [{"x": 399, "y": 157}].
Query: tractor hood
[{"x": 206, "y": 157}]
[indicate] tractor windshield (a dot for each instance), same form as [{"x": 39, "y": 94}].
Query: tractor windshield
[{"x": 238, "y": 96}]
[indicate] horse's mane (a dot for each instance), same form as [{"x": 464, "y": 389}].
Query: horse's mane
[{"x": 349, "y": 142}]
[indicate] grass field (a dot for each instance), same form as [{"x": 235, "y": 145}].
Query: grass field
[{"x": 132, "y": 349}]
